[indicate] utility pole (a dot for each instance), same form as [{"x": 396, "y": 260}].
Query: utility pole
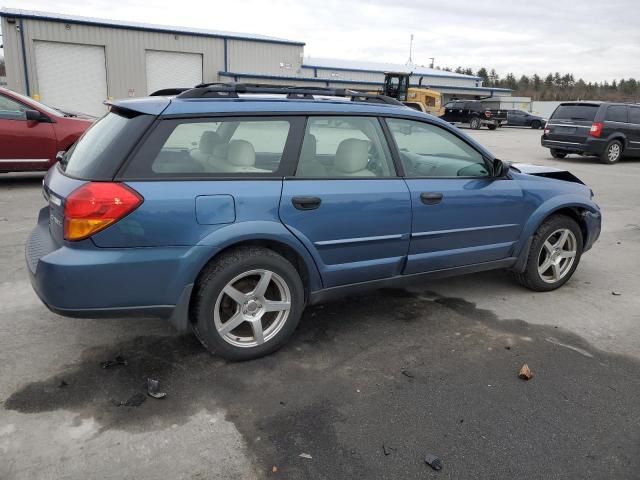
[
  {"x": 410, "y": 61},
  {"x": 433, "y": 60}
]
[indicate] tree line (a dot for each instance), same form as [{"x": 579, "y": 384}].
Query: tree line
[{"x": 558, "y": 86}]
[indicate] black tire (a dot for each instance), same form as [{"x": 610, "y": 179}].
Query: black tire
[
  {"x": 558, "y": 153},
  {"x": 609, "y": 156},
  {"x": 475, "y": 123},
  {"x": 531, "y": 278},
  {"x": 492, "y": 126},
  {"x": 536, "y": 125},
  {"x": 217, "y": 275}
]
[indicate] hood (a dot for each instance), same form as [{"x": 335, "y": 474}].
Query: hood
[{"x": 547, "y": 172}]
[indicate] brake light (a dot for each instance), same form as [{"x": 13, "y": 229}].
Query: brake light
[
  {"x": 487, "y": 114},
  {"x": 596, "y": 129},
  {"x": 547, "y": 130},
  {"x": 96, "y": 205}
]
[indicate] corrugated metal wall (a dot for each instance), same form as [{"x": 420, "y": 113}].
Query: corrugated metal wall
[
  {"x": 266, "y": 58},
  {"x": 125, "y": 53}
]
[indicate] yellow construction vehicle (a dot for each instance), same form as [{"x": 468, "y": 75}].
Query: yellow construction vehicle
[{"x": 423, "y": 99}]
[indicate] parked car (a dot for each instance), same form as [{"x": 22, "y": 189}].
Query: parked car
[
  {"x": 32, "y": 134},
  {"x": 474, "y": 114},
  {"x": 228, "y": 211},
  {"x": 607, "y": 130},
  {"x": 521, "y": 118}
]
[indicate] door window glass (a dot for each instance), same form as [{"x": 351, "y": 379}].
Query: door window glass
[
  {"x": 430, "y": 151},
  {"x": 344, "y": 147},
  {"x": 634, "y": 115},
  {"x": 11, "y": 110}
]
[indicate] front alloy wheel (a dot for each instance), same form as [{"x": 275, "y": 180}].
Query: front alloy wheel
[{"x": 557, "y": 255}]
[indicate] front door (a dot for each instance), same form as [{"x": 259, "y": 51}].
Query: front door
[
  {"x": 461, "y": 216},
  {"x": 26, "y": 144},
  {"x": 345, "y": 202}
]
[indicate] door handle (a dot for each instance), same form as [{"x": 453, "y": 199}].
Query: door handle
[
  {"x": 430, "y": 198},
  {"x": 306, "y": 203}
]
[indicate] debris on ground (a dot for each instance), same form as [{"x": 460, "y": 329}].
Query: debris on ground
[
  {"x": 617, "y": 294},
  {"x": 153, "y": 389},
  {"x": 386, "y": 449},
  {"x": 119, "y": 360},
  {"x": 408, "y": 374},
  {"x": 63, "y": 384},
  {"x": 305, "y": 455},
  {"x": 433, "y": 461},
  {"x": 274, "y": 469},
  {"x": 134, "y": 401},
  {"x": 507, "y": 347},
  {"x": 525, "y": 372}
]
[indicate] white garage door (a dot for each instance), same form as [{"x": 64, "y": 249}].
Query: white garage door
[
  {"x": 72, "y": 77},
  {"x": 172, "y": 69}
]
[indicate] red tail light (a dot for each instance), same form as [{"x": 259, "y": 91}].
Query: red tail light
[
  {"x": 96, "y": 205},
  {"x": 487, "y": 114},
  {"x": 596, "y": 129}
]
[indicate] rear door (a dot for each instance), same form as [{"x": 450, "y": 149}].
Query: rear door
[
  {"x": 24, "y": 144},
  {"x": 345, "y": 203},
  {"x": 461, "y": 215},
  {"x": 571, "y": 122},
  {"x": 634, "y": 129}
]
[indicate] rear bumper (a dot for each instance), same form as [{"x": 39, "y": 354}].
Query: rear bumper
[
  {"x": 87, "y": 281},
  {"x": 591, "y": 146}
]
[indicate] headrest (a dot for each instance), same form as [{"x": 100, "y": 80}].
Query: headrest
[
  {"x": 208, "y": 140},
  {"x": 352, "y": 155},
  {"x": 309, "y": 146},
  {"x": 241, "y": 153}
]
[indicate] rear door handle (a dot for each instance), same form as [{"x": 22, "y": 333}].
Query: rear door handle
[
  {"x": 306, "y": 203},
  {"x": 430, "y": 198}
]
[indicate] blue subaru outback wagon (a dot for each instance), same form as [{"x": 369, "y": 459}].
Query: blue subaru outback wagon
[{"x": 228, "y": 208}]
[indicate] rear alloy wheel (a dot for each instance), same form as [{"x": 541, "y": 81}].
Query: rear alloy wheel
[
  {"x": 558, "y": 153},
  {"x": 248, "y": 303},
  {"x": 475, "y": 123},
  {"x": 536, "y": 124},
  {"x": 612, "y": 153},
  {"x": 554, "y": 255}
]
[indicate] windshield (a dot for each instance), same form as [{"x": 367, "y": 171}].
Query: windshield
[
  {"x": 41, "y": 106},
  {"x": 575, "y": 112}
]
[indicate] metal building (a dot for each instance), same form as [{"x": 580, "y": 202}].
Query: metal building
[{"x": 77, "y": 63}]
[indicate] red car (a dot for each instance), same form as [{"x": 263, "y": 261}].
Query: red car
[{"x": 31, "y": 134}]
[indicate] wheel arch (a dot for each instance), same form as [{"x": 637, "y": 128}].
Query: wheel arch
[{"x": 574, "y": 209}]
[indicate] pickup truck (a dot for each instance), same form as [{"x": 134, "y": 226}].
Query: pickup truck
[{"x": 473, "y": 114}]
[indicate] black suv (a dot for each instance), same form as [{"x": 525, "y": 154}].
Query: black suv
[
  {"x": 474, "y": 114},
  {"x": 608, "y": 130}
]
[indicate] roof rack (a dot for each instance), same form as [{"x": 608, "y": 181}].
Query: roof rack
[{"x": 233, "y": 89}]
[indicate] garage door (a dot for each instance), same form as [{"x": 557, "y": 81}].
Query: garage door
[
  {"x": 72, "y": 77},
  {"x": 172, "y": 69}
]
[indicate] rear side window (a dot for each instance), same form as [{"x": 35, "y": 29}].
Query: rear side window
[
  {"x": 634, "y": 115},
  {"x": 98, "y": 154},
  {"x": 575, "y": 112},
  {"x": 344, "y": 147},
  {"x": 616, "y": 113},
  {"x": 213, "y": 147}
]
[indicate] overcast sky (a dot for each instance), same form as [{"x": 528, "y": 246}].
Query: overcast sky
[{"x": 594, "y": 39}]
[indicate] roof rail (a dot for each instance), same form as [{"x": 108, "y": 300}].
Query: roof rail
[
  {"x": 168, "y": 92},
  {"x": 232, "y": 89}
]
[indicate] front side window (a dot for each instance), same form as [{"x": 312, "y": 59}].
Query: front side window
[
  {"x": 11, "y": 110},
  {"x": 430, "y": 151},
  {"x": 232, "y": 146},
  {"x": 616, "y": 113},
  {"x": 346, "y": 147}
]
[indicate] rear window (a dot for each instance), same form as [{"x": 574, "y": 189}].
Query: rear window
[
  {"x": 575, "y": 112},
  {"x": 616, "y": 113},
  {"x": 98, "y": 153}
]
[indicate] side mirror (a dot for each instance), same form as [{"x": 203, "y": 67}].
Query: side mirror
[
  {"x": 500, "y": 168},
  {"x": 36, "y": 116},
  {"x": 60, "y": 156}
]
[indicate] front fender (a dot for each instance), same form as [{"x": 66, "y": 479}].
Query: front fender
[
  {"x": 546, "y": 209},
  {"x": 235, "y": 233}
]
